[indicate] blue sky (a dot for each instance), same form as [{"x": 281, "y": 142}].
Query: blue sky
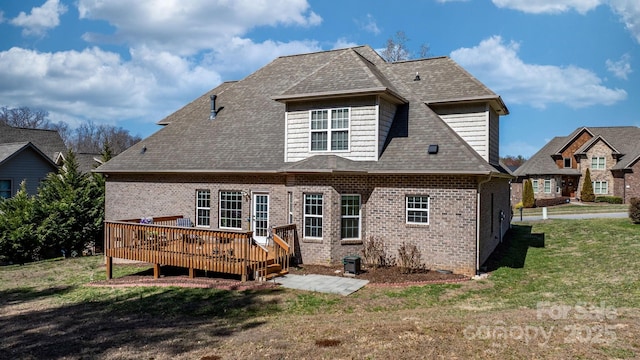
[{"x": 558, "y": 64}]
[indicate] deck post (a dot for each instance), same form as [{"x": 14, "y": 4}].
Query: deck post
[
  {"x": 109, "y": 264},
  {"x": 192, "y": 273},
  {"x": 156, "y": 271}
]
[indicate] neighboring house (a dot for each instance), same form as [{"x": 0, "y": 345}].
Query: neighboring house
[
  {"x": 611, "y": 153},
  {"x": 87, "y": 162},
  {"x": 26, "y": 154},
  {"x": 342, "y": 144}
]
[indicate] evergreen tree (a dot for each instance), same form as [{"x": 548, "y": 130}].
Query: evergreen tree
[
  {"x": 71, "y": 206},
  {"x": 528, "y": 199},
  {"x": 19, "y": 242},
  {"x": 587, "y": 188},
  {"x": 634, "y": 210}
]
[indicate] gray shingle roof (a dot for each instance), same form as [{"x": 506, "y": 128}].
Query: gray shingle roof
[
  {"x": 47, "y": 141},
  {"x": 9, "y": 150},
  {"x": 248, "y": 134},
  {"x": 624, "y": 140}
]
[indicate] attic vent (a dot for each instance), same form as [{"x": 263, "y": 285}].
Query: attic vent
[
  {"x": 433, "y": 149},
  {"x": 417, "y": 78},
  {"x": 214, "y": 111}
]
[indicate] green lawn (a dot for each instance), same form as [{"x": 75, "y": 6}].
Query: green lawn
[
  {"x": 586, "y": 270},
  {"x": 575, "y": 209}
]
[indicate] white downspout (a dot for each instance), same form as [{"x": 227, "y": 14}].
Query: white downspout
[{"x": 478, "y": 223}]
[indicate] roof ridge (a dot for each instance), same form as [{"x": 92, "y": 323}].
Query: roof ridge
[{"x": 321, "y": 51}]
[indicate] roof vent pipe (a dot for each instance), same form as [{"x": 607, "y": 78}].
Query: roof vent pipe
[
  {"x": 417, "y": 78},
  {"x": 213, "y": 107}
]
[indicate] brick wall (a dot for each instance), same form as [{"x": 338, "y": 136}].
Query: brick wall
[
  {"x": 632, "y": 183},
  {"x": 447, "y": 242}
]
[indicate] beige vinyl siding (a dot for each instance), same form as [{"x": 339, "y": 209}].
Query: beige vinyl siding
[
  {"x": 387, "y": 113},
  {"x": 471, "y": 123},
  {"x": 363, "y": 131}
]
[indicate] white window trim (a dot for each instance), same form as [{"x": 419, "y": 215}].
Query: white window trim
[
  {"x": 535, "y": 185},
  {"x": 290, "y": 206},
  {"x": 564, "y": 162},
  {"x": 305, "y": 216},
  {"x": 598, "y": 166},
  {"x": 427, "y": 210},
  {"x": 606, "y": 187},
  {"x": 329, "y": 130},
  {"x": 359, "y": 217},
  {"x": 220, "y": 209},
  {"x": 198, "y": 208},
  {"x": 547, "y": 181}
]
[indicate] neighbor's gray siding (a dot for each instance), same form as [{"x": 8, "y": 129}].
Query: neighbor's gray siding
[
  {"x": 363, "y": 131},
  {"x": 27, "y": 165}
]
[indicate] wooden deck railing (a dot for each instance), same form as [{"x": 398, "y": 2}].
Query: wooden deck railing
[
  {"x": 289, "y": 235},
  {"x": 231, "y": 252}
]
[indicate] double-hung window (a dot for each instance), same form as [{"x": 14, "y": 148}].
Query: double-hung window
[
  {"x": 350, "y": 217},
  {"x": 417, "y": 209},
  {"x": 203, "y": 207},
  {"x": 534, "y": 185},
  {"x": 231, "y": 209},
  {"x": 5, "y": 189},
  {"x": 547, "y": 186},
  {"x": 598, "y": 163},
  {"x": 600, "y": 187},
  {"x": 329, "y": 130},
  {"x": 313, "y": 216}
]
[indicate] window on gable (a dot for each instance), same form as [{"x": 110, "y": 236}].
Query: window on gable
[
  {"x": 600, "y": 187},
  {"x": 231, "y": 209},
  {"x": 203, "y": 207},
  {"x": 350, "y": 217},
  {"x": 313, "y": 216},
  {"x": 598, "y": 163},
  {"x": 567, "y": 162},
  {"x": 329, "y": 130},
  {"x": 417, "y": 209}
]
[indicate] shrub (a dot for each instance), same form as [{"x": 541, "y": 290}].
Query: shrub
[
  {"x": 552, "y": 201},
  {"x": 409, "y": 258},
  {"x": 609, "y": 199},
  {"x": 374, "y": 253},
  {"x": 634, "y": 210},
  {"x": 518, "y": 205},
  {"x": 528, "y": 200},
  {"x": 587, "y": 188}
]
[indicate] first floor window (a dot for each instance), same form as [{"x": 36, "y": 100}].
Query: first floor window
[
  {"x": 417, "y": 209},
  {"x": 350, "y": 217},
  {"x": 5, "y": 189},
  {"x": 534, "y": 185},
  {"x": 203, "y": 208},
  {"x": 598, "y": 163},
  {"x": 313, "y": 215},
  {"x": 547, "y": 186},
  {"x": 600, "y": 187},
  {"x": 231, "y": 209}
]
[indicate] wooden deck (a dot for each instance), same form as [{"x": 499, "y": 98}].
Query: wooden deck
[{"x": 230, "y": 252}]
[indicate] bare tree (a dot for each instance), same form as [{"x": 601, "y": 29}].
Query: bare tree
[
  {"x": 24, "y": 117},
  {"x": 396, "y": 48},
  {"x": 91, "y": 138}
]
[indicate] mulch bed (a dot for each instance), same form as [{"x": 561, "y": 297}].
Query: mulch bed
[{"x": 379, "y": 277}]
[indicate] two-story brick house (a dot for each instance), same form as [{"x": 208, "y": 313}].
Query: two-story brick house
[
  {"x": 612, "y": 155},
  {"x": 342, "y": 144}
]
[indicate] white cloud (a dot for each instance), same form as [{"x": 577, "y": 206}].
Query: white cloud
[
  {"x": 629, "y": 11},
  {"x": 187, "y": 27},
  {"x": 621, "y": 68},
  {"x": 497, "y": 64},
  {"x": 343, "y": 43},
  {"x": 98, "y": 85},
  {"x": 548, "y": 6},
  {"x": 369, "y": 25},
  {"x": 41, "y": 18}
]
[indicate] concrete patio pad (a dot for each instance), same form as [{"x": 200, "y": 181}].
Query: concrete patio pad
[{"x": 322, "y": 283}]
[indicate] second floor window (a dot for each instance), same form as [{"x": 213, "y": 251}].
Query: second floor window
[
  {"x": 567, "y": 162},
  {"x": 598, "y": 163},
  {"x": 329, "y": 130}
]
